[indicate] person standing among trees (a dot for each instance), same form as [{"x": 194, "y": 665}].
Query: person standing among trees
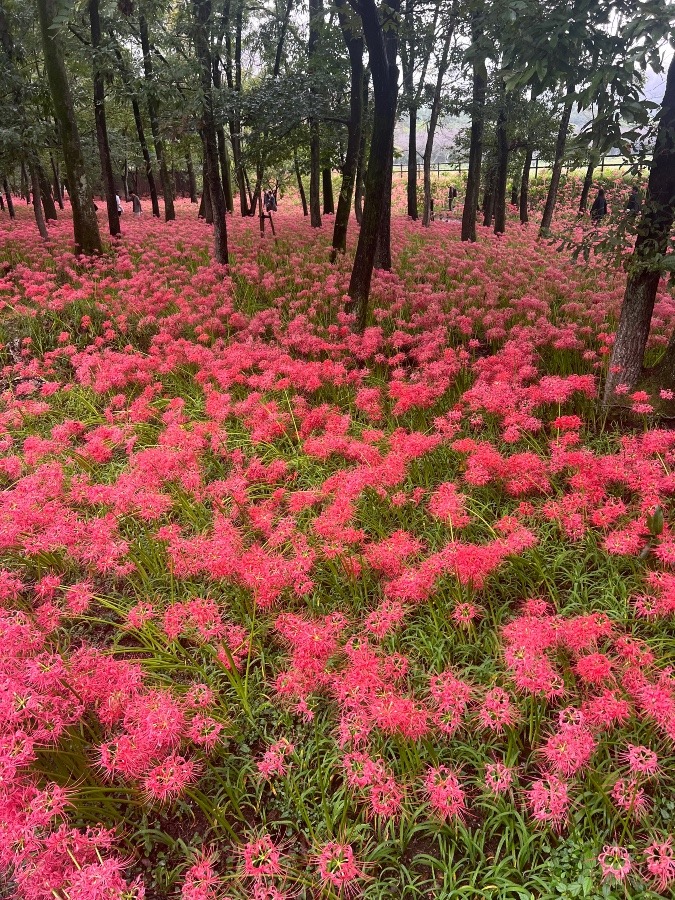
[
  {"x": 452, "y": 195},
  {"x": 599, "y": 208},
  {"x": 634, "y": 202}
]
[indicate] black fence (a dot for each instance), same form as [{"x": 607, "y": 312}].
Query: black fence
[{"x": 611, "y": 161}]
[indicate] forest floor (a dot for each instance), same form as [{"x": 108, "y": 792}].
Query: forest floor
[{"x": 288, "y": 611}]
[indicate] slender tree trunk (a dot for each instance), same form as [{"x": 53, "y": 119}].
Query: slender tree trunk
[
  {"x": 140, "y": 131},
  {"x": 202, "y": 15},
  {"x": 225, "y": 170},
  {"x": 37, "y": 207},
  {"x": 301, "y": 187},
  {"x": 153, "y": 111},
  {"x": 100, "y": 120},
  {"x": 514, "y": 193},
  {"x": 327, "y": 185},
  {"x": 593, "y": 159},
  {"x": 489, "y": 192},
  {"x": 48, "y": 204},
  {"x": 125, "y": 180},
  {"x": 383, "y": 244},
  {"x": 646, "y": 264},
  {"x": 85, "y": 226},
  {"x": 192, "y": 181},
  {"x": 502, "y": 170},
  {"x": 412, "y": 163},
  {"x": 366, "y": 129},
  {"x": 525, "y": 187},
  {"x": 8, "y": 198},
  {"x": 2, "y": 203},
  {"x": 477, "y": 126},
  {"x": 25, "y": 184},
  {"x": 234, "y": 85},
  {"x": 385, "y": 78},
  {"x": 57, "y": 180},
  {"x": 556, "y": 172},
  {"x": 315, "y": 18},
  {"x": 433, "y": 120},
  {"x": 354, "y": 42}
]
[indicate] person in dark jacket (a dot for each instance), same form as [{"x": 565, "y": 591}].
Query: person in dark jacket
[{"x": 599, "y": 208}]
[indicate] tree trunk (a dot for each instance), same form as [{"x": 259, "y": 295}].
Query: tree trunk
[
  {"x": 202, "y": 15},
  {"x": 25, "y": 184},
  {"x": 225, "y": 170},
  {"x": 327, "y": 185},
  {"x": 153, "y": 111},
  {"x": 85, "y": 226},
  {"x": 514, "y": 193},
  {"x": 234, "y": 85},
  {"x": 140, "y": 131},
  {"x": 2, "y": 203},
  {"x": 556, "y": 172},
  {"x": 366, "y": 129},
  {"x": 205, "y": 209},
  {"x": 315, "y": 11},
  {"x": 8, "y": 198},
  {"x": 57, "y": 180},
  {"x": 301, "y": 187},
  {"x": 37, "y": 207},
  {"x": 489, "y": 193},
  {"x": 593, "y": 159},
  {"x": 412, "y": 163},
  {"x": 100, "y": 121},
  {"x": 646, "y": 264},
  {"x": 191, "y": 176},
  {"x": 385, "y": 79},
  {"x": 383, "y": 245},
  {"x": 525, "y": 187},
  {"x": 433, "y": 121},
  {"x": 502, "y": 171},
  {"x": 477, "y": 126},
  {"x": 45, "y": 192},
  {"x": 354, "y": 43}
]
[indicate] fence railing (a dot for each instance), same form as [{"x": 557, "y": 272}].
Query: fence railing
[{"x": 610, "y": 161}]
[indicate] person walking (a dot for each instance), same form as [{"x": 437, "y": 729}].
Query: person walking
[
  {"x": 599, "y": 208},
  {"x": 135, "y": 203}
]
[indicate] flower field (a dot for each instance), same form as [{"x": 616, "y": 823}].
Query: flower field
[{"x": 288, "y": 611}]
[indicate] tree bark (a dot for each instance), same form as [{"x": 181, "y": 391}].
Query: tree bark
[
  {"x": 385, "y": 78},
  {"x": 383, "y": 244},
  {"x": 502, "y": 169},
  {"x": 153, "y": 111},
  {"x": 57, "y": 180},
  {"x": 234, "y": 85},
  {"x": 48, "y": 204},
  {"x": 525, "y": 187},
  {"x": 8, "y": 198},
  {"x": 301, "y": 187},
  {"x": 355, "y": 45},
  {"x": 225, "y": 169},
  {"x": 315, "y": 11},
  {"x": 411, "y": 188},
  {"x": 140, "y": 131},
  {"x": 85, "y": 225},
  {"x": 100, "y": 121},
  {"x": 479, "y": 88},
  {"x": 514, "y": 193},
  {"x": 192, "y": 181},
  {"x": 646, "y": 264},
  {"x": 327, "y": 187},
  {"x": 202, "y": 15},
  {"x": 25, "y": 184},
  {"x": 489, "y": 193},
  {"x": 556, "y": 172},
  {"x": 37, "y": 206},
  {"x": 433, "y": 120},
  {"x": 366, "y": 129}
]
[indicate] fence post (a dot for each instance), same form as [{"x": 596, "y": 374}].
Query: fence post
[
  {"x": 536, "y": 166},
  {"x": 602, "y": 165}
]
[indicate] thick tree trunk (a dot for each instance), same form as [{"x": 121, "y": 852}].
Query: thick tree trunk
[
  {"x": 301, "y": 187},
  {"x": 383, "y": 245},
  {"x": 315, "y": 12},
  {"x": 433, "y": 121},
  {"x": 355, "y": 46},
  {"x": 85, "y": 226},
  {"x": 153, "y": 111},
  {"x": 100, "y": 121},
  {"x": 37, "y": 207},
  {"x": 8, "y": 198},
  {"x": 646, "y": 263},
  {"x": 476, "y": 147},
  {"x": 525, "y": 187},
  {"x": 547, "y": 217},
  {"x": 202, "y": 15},
  {"x": 57, "y": 180},
  {"x": 385, "y": 80},
  {"x": 48, "y": 204},
  {"x": 366, "y": 129},
  {"x": 412, "y": 163},
  {"x": 192, "y": 181},
  {"x": 327, "y": 187},
  {"x": 501, "y": 172}
]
